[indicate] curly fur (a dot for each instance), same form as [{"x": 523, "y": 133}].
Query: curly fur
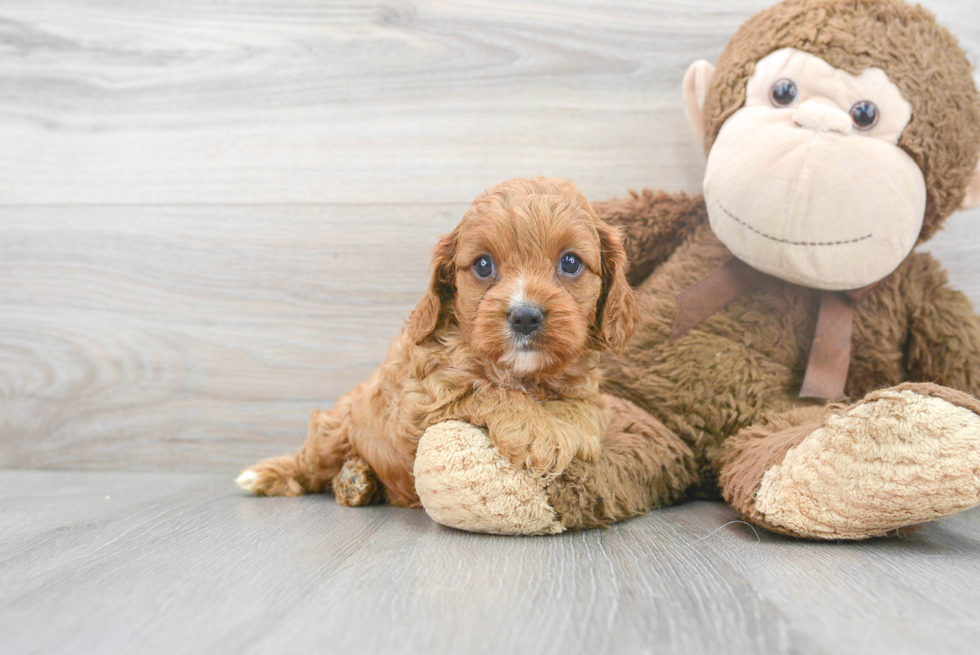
[{"x": 456, "y": 358}]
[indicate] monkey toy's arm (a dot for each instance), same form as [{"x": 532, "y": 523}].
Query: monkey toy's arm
[
  {"x": 653, "y": 224},
  {"x": 943, "y": 343}
]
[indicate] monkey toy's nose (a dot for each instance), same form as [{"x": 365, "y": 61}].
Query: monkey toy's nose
[
  {"x": 525, "y": 319},
  {"x": 819, "y": 117}
]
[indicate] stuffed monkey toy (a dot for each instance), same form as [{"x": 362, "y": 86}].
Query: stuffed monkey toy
[{"x": 794, "y": 354}]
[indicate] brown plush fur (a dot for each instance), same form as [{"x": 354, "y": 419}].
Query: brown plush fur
[
  {"x": 742, "y": 368},
  {"x": 728, "y": 389},
  {"x": 458, "y": 359},
  {"x": 654, "y": 223},
  {"x": 756, "y": 449},
  {"x": 906, "y": 42},
  {"x": 642, "y": 466}
]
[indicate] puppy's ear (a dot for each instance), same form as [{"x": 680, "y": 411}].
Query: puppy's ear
[
  {"x": 616, "y": 312},
  {"x": 442, "y": 286}
]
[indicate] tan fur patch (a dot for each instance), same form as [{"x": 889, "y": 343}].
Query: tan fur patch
[
  {"x": 465, "y": 483},
  {"x": 897, "y": 460}
]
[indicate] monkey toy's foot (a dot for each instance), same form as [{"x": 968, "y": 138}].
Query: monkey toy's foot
[
  {"x": 463, "y": 482},
  {"x": 897, "y": 458}
]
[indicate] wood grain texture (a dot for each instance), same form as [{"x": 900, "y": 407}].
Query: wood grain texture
[
  {"x": 194, "y": 337},
  {"x": 305, "y": 101},
  {"x": 162, "y": 563}
]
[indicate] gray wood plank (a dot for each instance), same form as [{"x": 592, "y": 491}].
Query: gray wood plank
[
  {"x": 187, "y": 337},
  {"x": 295, "y": 101},
  {"x": 914, "y": 594},
  {"x": 186, "y": 563}
]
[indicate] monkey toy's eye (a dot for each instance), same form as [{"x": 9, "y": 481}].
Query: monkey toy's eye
[
  {"x": 483, "y": 267},
  {"x": 783, "y": 93},
  {"x": 865, "y": 115},
  {"x": 570, "y": 264}
]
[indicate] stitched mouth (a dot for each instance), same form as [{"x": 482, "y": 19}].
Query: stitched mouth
[{"x": 787, "y": 241}]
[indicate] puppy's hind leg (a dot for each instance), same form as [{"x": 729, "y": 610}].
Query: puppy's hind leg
[
  {"x": 356, "y": 484},
  {"x": 310, "y": 470}
]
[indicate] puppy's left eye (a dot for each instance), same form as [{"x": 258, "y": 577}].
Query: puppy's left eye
[
  {"x": 570, "y": 264},
  {"x": 483, "y": 267}
]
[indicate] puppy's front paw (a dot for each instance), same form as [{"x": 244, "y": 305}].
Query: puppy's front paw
[
  {"x": 590, "y": 445},
  {"x": 588, "y": 421},
  {"x": 551, "y": 453},
  {"x": 546, "y": 452},
  {"x": 271, "y": 477}
]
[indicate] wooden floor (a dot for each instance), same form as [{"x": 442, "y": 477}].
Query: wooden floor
[
  {"x": 213, "y": 218},
  {"x": 96, "y": 562}
]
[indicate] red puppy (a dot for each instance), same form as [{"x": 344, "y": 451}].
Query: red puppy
[{"x": 525, "y": 293}]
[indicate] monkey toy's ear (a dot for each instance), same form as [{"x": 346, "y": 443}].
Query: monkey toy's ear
[
  {"x": 696, "y": 83},
  {"x": 972, "y": 198}
]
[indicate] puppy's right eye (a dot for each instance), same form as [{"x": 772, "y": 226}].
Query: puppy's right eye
[
  {"x": 483, "y": 267},
  {"x": 570, "y": 264}
]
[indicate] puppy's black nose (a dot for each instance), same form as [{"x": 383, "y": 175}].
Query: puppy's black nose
[{"x": 525, "y": 319}]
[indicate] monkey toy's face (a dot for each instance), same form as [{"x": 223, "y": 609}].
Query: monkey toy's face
[{"x": 807, "y": 182}]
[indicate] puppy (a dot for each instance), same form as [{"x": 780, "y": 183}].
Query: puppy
[{"x": 525, "y": 293}]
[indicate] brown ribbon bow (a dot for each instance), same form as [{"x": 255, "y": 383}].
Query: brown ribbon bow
[{"x": 830, "y": 353}]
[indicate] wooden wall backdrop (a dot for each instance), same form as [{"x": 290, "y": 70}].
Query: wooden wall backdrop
[{"x": 214, "y": 215}]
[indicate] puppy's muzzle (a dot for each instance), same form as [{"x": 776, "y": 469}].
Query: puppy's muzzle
[{"x": 525, "y": 319}]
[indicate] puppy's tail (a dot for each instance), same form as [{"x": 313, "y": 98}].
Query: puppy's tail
[{"x": 310, "y": 470}]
